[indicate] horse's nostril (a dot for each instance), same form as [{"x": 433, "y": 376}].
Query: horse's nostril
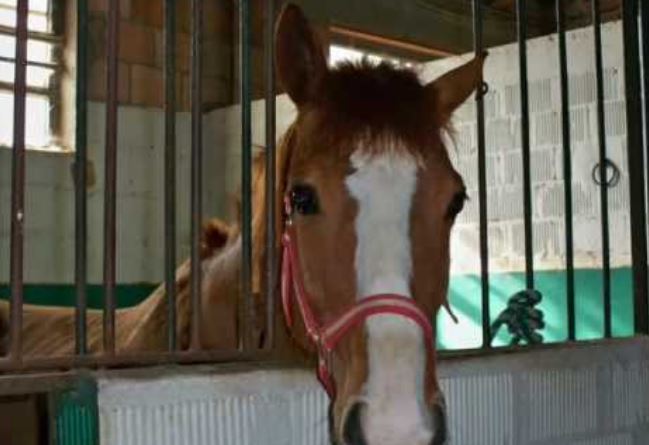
[
  {"x": 439, "y": 421},
  {"x": 353, "y": 429}
]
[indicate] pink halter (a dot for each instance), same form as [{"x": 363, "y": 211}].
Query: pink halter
[{"x": 326, "y": 336}]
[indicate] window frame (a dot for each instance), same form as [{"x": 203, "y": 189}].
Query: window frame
[
  {"x": 52, "y": 93},
  {"x": 404, "y": 52}
]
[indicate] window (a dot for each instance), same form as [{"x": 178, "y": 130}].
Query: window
[
  {"x": 42, "y": 70},
  {"x": 352, "y": 44},
  {"x": 341, "y": 53}
]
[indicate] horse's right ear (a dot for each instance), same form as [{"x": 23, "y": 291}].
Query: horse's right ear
[{"x": 299, "y": 56}]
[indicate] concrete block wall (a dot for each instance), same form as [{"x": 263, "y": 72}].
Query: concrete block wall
[
  {"x": 504, "y": 161},
  {"x": 49, "y": 214}
]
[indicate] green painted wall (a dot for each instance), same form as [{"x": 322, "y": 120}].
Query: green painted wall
[
  {"x": 465, "y": 302},
  {"x": 465, "y": 295},
  {"x": 64, "y": 294}
]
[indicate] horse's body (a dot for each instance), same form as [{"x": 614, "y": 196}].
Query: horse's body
[{"x": 50, "y": 331}]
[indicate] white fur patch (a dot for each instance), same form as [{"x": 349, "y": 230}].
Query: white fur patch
[{"x": 383, "y": 186}]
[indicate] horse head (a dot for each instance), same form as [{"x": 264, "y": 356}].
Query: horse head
[{"x": 370, "y": 199}]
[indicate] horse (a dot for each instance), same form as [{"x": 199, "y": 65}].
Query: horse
[{"x": 366, "y": 199}]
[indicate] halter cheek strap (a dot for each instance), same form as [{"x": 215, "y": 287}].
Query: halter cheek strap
[{"x": 327, "y": 336}]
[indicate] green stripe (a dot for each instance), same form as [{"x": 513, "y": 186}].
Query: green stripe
[
  {"x": 64, "y": 294},
  {"x": 465, "y": 301}
]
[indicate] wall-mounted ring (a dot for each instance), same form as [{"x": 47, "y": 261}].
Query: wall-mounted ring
[{"x": 612, "y": 179}]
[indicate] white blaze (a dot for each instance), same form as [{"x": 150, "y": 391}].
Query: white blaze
[{"x": 383, "y": 186}]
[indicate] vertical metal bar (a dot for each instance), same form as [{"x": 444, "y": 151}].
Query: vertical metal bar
[
  {"x": 636, "y": 165},
  {"x": 170, "y": 170},
  {"x": 478, "y": 48},
  {"x": 603, "y": 186},
  {"x": 521, "y": 22},
  {"x": 80, "y": 170},
  {"x": 246, "y": 174},
  {"x": 196, "y": 171},
  {"x": 18, "y": 183},
  {"x": 110, "y": 177},
  {"x": 271, "y": 266},
  {"x": 567, "y": 169},
  {"x": 645, "y": 59}
]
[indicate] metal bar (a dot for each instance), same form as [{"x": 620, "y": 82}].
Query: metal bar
[
  {"x": 260, "y": 358},
  {"x": 636, "y": 165},
  {"x": 6, "y": 86},
  {"x": 32, "y": 35},
  {"x": 567, "y": 169},
  {"x": 478, "y": 48},
  {"x": 47, "y": 65},
  {"x": 47, "y": 381},
  {"x": 423, "y": 51},
  {"x": 18, "y": 185},
  {"x": 521, "y": 19},
  {"x": 645, "y": 71},
  {"x": 246, "y": 307},
  {"x": 80, "y": 170},
  {"x": 170, "y": 170},
  {"x": 131, "y": 360},
  {"x": 603, "y": 187},
  {"x": 196, "y": 170},
  {"x": 110, "y": 177},
  {"x": 271, "y": 258}
]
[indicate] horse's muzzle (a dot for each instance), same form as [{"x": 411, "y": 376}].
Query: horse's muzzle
[{"x": 353, "y": 429}]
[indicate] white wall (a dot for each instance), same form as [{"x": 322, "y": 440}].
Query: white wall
[
  {"x": 567, "y": 395},
  {"x": 49, "y": 215},
  {"x": 504, "y": 164}
]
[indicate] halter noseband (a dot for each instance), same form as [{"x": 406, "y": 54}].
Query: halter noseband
[{"x": 327, "y": 336}]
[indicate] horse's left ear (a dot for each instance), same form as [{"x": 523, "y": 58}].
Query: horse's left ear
[
  {"x": 453, "y": 88},
  {"x": 299, "y": 55}
]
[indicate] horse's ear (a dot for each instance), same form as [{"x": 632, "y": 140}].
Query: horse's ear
[
  {"x": 299, "y": 56},
  {"x": 453, "y": 88}
]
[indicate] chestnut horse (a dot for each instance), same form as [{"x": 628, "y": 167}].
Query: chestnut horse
[{"x": 368, "y": 197}]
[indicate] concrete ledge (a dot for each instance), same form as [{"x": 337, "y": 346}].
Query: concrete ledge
[{"x": 582, "y": 394}]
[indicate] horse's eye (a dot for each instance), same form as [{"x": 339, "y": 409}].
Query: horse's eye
[
  {"x": 456, "y": 205},
  {"x": 304, "y": 199}
]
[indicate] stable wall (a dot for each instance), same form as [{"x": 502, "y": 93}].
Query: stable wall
[
  {"x": 569, "y": 395},
  {"x": 49, "y": 214}
]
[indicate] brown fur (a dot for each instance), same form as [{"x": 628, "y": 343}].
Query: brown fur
[{"x": 371, "y": 109}]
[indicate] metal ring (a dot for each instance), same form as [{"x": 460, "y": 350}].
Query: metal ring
[
  {"x": 484, "y": 88},
  {"x": 611, "y": 181}
]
